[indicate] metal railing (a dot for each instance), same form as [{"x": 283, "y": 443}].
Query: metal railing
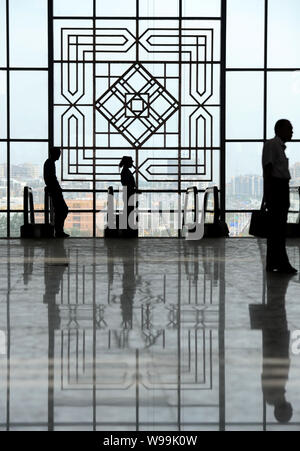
[
  {"x": 29, "y": 217},
  {"x": 198, "y": 226},
  {"x": 49, "y": 211}
]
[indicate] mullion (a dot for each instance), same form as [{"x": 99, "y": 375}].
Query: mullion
[
  {"x": 133, "y": 18},
  {"x": 8, "y": 113},
  {"x": 266, "y": 70},
  {"x": 94, "y": 120},
  {"x": 223, "y": 108},
  {"x": 28, "y": 69}
]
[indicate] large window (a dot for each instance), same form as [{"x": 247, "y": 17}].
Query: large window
[
  {"x": 144, "y": 78},
  {"x": 263, "y": 85},
  {"x": 24, "y": 106},
  {"x": 138, "y": 78}
]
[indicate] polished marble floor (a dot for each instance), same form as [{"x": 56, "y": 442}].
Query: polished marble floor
[{"x": 147, "y": 335}]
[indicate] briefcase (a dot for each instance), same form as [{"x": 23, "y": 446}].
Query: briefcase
[
  {"x": 117, "y": 232},
  {"x": 259, "y": 223},
  {"x": 218, "y": 229},
  {"x": 37, "y": 231}
]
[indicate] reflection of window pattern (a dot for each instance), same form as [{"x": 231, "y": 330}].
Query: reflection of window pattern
[
  {"x": 151, "y": 90},
  {"x": 133, "y": 339}
]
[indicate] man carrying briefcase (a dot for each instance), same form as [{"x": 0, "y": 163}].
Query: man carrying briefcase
[{"x": 277, "y": 197}]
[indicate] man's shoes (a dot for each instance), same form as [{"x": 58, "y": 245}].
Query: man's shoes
[
  {"x": 271, "y": 269},
  {"x": 62, "y": 235},
  {"x": 288, "y": 270},
  {"x": 282, "y": 270}
]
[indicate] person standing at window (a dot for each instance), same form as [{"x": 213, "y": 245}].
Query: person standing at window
[
  {"x": 60, "y": 207},
  {"x": 129, "y": 186},
  {"x": 277, "y": 196}
]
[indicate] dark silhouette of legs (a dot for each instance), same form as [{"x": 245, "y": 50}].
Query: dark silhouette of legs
[
  {"x": 60, "y": 211},
  {"x": 279, "y": 205},
  {"x": 277, "y": 255}
]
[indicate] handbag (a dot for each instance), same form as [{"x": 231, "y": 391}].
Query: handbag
[
  {"x": 259, "y": 222},
  {"x": 218, "y": 229}
]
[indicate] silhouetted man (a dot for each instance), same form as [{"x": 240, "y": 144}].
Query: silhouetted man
[
  {"x": 55, "y": 191},
  {"x": 277, "y": 196}
]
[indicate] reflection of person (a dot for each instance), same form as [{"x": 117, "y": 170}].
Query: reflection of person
[
  {"x": 272, "y": 320},
  {"x": 129, "y": 287},
  {"x": 277, "y": 197},
  {"x": 276, "y": 345},
  {"x": 129, "y": 184},
  {"x": 129, "y": 279},
  {"x": 55, "y": 191},
  {"x": 55, "y": 266},
  {"x": 56, "y": 263}
]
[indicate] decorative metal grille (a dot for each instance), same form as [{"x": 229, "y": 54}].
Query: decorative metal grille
[{"x": 144, "y": 87}]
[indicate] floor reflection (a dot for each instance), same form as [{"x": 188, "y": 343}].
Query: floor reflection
[
  {"x": 271, "y": 318},
  {"x": 132, "y": 336}
]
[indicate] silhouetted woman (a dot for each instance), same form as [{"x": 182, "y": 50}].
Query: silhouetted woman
[{"x": 129, "y": 184}]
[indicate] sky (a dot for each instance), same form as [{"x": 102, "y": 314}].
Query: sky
[{"x": 245, "y": 48}]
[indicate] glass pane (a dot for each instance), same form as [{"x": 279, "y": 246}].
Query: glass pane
[
  {"x": 2, "y": 33},
  {"x": 114, "y": 8},
  {"x": 238, "y": 224},
  {"x": 284, "y": 33},
  {"x": 3, "y": 105},
  {"x": 283, "y": 100},
  {"x": 79, "y": 224},
  {"x": 244, "y": 183},
  {"x": 28, "y": 33},
  {"x": 245, "y": 33},
  {"x": 158, "y": 215},
  {"x": 295, "y": 206},
  {"x": 244, "y": 105},
  {"x": 157, "y": 8},
  {"x": 16, "y": 222},
  {"x": 64, "y": 33},
  {"x": 26, "y": 169},
  {"x": 29, "y": 105},
  {"x": 3, "y": 225},
  {"x": 201, "y": 8},
  {"x": 73, "y": 7},
  {"x": 101, "y": 217},
  {"x": 79, "y": 201},
  {"x": 293, "y": 154},
  {"x": 210, "y": 172},
  {"x": 3, "y": 176}
]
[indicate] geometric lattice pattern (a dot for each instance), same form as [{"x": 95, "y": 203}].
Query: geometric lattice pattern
[
  {"x": 137, "y": 105},
  {"x": 144, "y": 88}
]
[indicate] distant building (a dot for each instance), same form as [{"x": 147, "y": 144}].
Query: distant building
[
  {"x": 22, "y": 172},
  {"x": 246, "y": 185},
  {"x": 80, "y": 223}
]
